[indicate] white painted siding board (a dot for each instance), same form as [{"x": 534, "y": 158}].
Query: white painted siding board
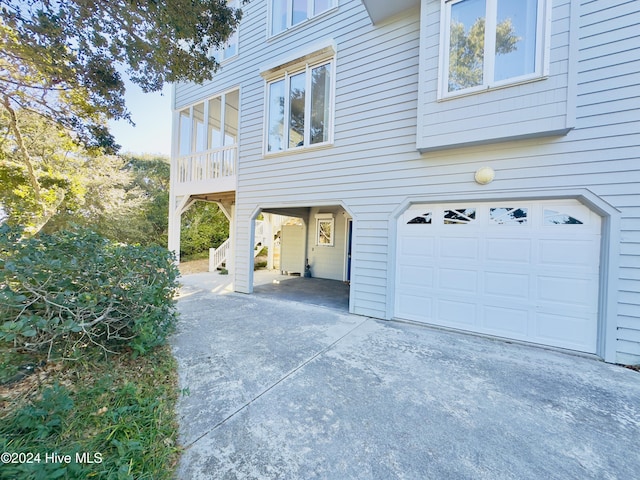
[
  {"x": 629, "y": 334},
  {"x": 629, "y": 347},
  {"x": 631, "y": 323}
]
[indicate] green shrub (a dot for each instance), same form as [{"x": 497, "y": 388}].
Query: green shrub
[{"x": 72, "y": 290}]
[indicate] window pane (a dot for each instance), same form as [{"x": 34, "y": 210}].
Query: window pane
[
  {"x": 299, "y": 13},
  {"x": 232, "y": 46},
  {"x": 231, "y": 118},
  {"x": 214, "y": 125},
  {"x": 296, "y": 110},
  {"x": 320, "y": 101},
  {"x": 185, "y": 133},
  {"x": 278, "y": 16},
  {"x": 320, "y": 6},
  {"x": 275, "y": 127},
  {"x": 515, "y": 38},
  {"x": 325, "y": 232},
  {"x": 425, "y": 218},
  {"x": 199, "y": 128},
  {"x": 466, "y": 44},
  {"x": 460, "y": 216},
  {"x": 508, "y": 216},
  {"x": 552, "y": 217}
]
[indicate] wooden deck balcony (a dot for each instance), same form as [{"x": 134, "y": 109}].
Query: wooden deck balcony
[{"x": 206, "y": 172}]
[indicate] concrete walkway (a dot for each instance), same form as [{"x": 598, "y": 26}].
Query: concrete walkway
[{"x": 275, "y": 389}]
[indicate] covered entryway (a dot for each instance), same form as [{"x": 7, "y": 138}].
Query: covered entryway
[{"x": 525, "y": 270}]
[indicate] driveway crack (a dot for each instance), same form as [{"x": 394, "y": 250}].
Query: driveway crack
[{"x": 275, "y": 384}]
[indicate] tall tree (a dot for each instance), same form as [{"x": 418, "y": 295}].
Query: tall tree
[{"x": 61, "y": 60}]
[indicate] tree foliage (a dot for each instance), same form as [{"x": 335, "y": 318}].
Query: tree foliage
[
  {"x": 204, "y": 226},
  {"x": 55, "y": 167},
  {"x": 122, "y": 198},
  {"x": 61, "y": 58}
]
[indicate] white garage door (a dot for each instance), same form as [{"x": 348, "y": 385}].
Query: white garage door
[{"x": 522, "y": 270}]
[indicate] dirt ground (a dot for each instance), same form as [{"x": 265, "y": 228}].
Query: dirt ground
[
  {"x": 199, "y": 266},
  {"x": 194, "y": 266}
]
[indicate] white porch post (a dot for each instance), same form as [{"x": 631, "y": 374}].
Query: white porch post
[
  {"x": 232, "y": 244},
  {"x": 177, "y": 206},
  {"x": 268, "y": 228},
  {"x": 229, "y": 210}
]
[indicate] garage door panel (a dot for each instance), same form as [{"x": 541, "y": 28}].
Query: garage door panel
[
  {"x": 565, "y": 331},
  {"x": 459, "y": 248},
  {"x": 418, "y": 246},
  {"x": 508, "y": 286},
  {"x": 577, "y": 292},
  {"x": 416, "y": 276},
  {"x": 566, "y": 253},
  {"x": 508, "y": 250},
  {"x": 416, "y": 308},
  {"x": 456, "y": 313},
  {"x": 497, "y": 320},
  {"x": 530, "y": 273},
  {"x": 455, "y": 280}
]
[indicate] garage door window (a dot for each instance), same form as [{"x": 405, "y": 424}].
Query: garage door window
[
  {"x": 424, "y": 219},
  {"x": 460, "y": 216},
  {"x": 552, "y": 217},
  {"x": 508, "y": 215}
]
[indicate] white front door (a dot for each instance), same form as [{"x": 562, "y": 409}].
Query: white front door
[{"x": 526, "y": 270}]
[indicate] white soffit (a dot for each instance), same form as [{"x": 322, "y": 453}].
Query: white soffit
[{"x": 380, "y": 10}]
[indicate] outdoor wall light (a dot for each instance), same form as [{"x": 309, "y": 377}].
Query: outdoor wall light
[{"x": 485, "y": 175}]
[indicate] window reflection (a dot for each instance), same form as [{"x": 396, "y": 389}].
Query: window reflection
[
  {"x": 552, "y": 217},
  {"x": 425, "y": 218},
  {"x": 320, "y": 95},
  {"x": 296, "y": 110},
  {"x": 276, "y": 117},
  {"x": 508, "y": 215},
  {"x": 459, "y": 216}
]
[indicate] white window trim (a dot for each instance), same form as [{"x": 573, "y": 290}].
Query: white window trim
[
  {"x": 276, "y": 74},
  {"x": 543, "y": 49},
  {"x": 289, "y": 27},
  {"x": 325, "y": 217}
]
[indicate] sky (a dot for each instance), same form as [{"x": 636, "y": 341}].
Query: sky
[{"x": 151, "y": 112}]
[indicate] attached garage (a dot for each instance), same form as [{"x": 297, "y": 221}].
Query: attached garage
[{"x": 524, "y": 270}]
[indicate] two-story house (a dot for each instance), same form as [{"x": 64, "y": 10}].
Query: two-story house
[{"x": 470, "y": 164}]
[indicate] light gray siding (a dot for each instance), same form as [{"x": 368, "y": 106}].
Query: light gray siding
[{"x": 373, "y": 167}]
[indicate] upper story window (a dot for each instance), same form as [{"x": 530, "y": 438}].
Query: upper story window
[
  {"x": 490, "y": 43},
  {"x": 288, "y": 13},
  {"x": 230, "y": 49},
  {"x": 299, "y": 106}
]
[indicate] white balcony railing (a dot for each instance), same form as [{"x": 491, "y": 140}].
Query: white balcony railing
[{"x": 212, "y": 164}]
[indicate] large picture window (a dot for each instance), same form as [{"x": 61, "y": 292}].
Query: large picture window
[
  {"x": 288, "y": 13},
  {"x": 489, "y": 43},
  {"x": 299, "y": 108}
]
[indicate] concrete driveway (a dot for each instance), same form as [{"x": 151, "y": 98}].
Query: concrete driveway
[{"x": 275, "y": 389}]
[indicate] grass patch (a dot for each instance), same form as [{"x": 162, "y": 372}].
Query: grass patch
[{"x": 114, "y": 418}]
